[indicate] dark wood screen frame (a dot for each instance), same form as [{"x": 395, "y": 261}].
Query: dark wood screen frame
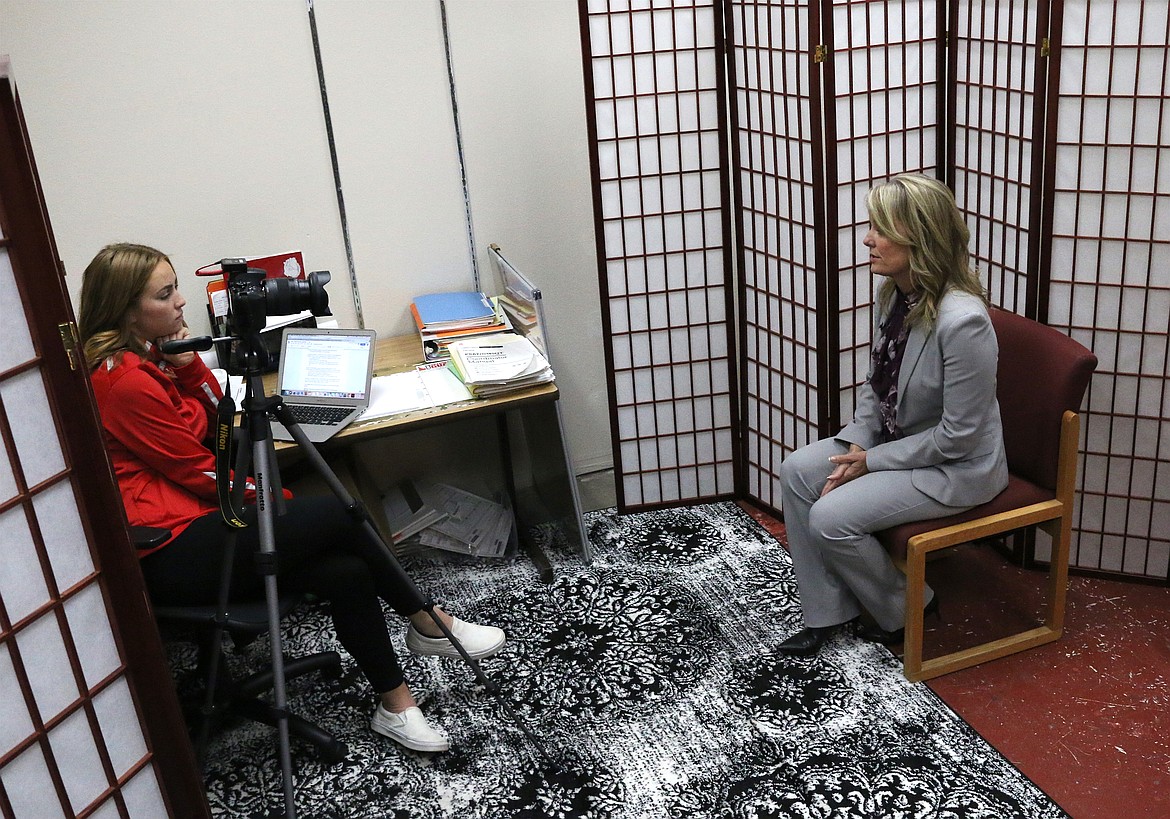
[
  {"x": 780, "y": 372},
  {"x": 1115, "y": 82},
  {"x": 678, "y": 401},
  {"x": 35, "y": 262}
]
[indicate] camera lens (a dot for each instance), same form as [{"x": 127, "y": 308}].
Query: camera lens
[{"x": 286, "y": 296}]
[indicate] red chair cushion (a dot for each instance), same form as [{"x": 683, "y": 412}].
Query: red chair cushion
[{"x": 1019, "y": 492}]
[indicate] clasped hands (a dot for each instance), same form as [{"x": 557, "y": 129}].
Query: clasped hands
[{"x": 848, "y": 466}]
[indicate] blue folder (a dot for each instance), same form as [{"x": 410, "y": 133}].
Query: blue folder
[{"x": 447, "y": 308}]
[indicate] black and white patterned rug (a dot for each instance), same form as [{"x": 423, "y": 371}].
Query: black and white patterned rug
[{"x": 651, "y": 680}]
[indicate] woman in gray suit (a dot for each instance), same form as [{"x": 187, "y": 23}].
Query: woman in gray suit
[{"x": 925, "y": 440}]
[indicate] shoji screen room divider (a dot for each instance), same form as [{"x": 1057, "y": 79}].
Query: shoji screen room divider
[{"x": 734, "y": 143}]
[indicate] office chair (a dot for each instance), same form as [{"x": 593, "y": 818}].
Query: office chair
[
  {"x": 224, "y": 694},
  {"x": 1041, "y": 381}
]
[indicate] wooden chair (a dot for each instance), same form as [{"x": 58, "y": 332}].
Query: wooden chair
[{"x": 1041, "y": 381}]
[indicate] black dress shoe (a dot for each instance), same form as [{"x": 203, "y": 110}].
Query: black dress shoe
[
  {"x": 809, "y": 640},
  {"x": 874, "y": 634},
  {"x": 879, "y": 635},
  {"x": 806, "y": 641}
]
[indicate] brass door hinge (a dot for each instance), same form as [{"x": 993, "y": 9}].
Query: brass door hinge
[
  {"x": 820, "y": 54},
  {"x": 68, "y": 331},
  {"x": 1045, "y": 47}
]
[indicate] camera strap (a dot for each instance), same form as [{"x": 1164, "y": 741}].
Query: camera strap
[{"x": 224, "y": 418}]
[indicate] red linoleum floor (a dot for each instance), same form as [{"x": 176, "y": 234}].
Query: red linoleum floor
[{"x": 1087, "y": 718}]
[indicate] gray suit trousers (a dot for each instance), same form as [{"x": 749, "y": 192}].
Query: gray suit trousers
[{"x": 840, "y": 567}]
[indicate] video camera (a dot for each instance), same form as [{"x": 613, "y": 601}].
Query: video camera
[{"x": 252, "y": 296}]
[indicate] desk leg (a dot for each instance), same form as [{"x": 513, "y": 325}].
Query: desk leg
[
  {"x": 552, "y": 487},
  {"x": 525, "y": 536}
]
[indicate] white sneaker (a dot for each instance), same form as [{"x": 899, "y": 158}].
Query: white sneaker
[
  {"x": 409, "y": 728},
  {"x": 477, "y": 641}
]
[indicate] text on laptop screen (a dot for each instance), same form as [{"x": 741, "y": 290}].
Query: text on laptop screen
[{"x": 325, "y": 366}]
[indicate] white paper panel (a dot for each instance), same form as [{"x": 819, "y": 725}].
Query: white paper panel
[
  {"x": 75, "y": 751},
  {"x": 29, "y": 787},
  {"x": 143, "y": 797},
  {"x": 92, "y": 634},
  {"x": 22, "y": 583},
  {"x": 64, "y": 536},
  {"x": 32, "y": 426},
  {"x": 43, "y": 649},
  {"x": 17, "y": 347},
  {"x": 8, "y": 489},
  {"x": 120, "y": 726},
  {"x": 16, "y": 724},
  {"x": 108, "y": 810}
]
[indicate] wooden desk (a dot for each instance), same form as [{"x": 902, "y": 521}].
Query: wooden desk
[
  {"x": 399, "y": 354},
  {"x": 532, "y": 412}
]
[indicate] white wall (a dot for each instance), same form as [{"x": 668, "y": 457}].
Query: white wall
[{"x": 197, "y": 127}]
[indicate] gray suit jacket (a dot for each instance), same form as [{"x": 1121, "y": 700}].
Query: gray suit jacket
[{"x": 947, "y": 410}]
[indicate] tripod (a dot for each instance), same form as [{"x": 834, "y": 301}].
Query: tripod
[{"x": 257, "y": 458}]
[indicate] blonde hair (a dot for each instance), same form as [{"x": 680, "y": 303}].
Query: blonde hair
[
  {"x": 111, "y": 285},
  {"x": 920, "y": 213}
]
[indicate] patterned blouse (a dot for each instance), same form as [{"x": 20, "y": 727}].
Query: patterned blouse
[{"x": 887, "y": 362}]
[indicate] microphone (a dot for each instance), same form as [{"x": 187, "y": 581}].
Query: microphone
[{"x": 186, "y": 345}]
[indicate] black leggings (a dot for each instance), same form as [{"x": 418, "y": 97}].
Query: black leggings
[{"x": 321, "y": 550}]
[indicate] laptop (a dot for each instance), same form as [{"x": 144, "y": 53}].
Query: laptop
[{"x": 324, "y": 379}]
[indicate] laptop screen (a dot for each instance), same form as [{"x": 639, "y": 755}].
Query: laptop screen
[{"x": 333, "y": 365}]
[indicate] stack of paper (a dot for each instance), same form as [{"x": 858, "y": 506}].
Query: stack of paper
[
  {"x": 499, "y": 364},
  {"x": 457, "y": 521},
  {"x": 444, "y": 317},
  {"x": 425, "y": 387}
]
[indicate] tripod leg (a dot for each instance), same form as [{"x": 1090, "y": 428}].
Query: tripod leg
[
  {"x": 215, "y": 649},
  {"x": 260, "y": 432},
  {"x": 242, "y": 466},
  {"x": 360, "y": 514}
]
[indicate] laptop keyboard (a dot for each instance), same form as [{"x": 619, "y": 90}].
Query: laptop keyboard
[{"x": 321, "y": 416}]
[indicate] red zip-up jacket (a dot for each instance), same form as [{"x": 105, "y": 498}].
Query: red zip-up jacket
[{"x": 157, "y": 421}]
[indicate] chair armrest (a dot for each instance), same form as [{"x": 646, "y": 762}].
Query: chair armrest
[{"x": 148, "y": 537}]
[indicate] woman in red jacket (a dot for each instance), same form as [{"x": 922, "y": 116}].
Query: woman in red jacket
[{"x": 157, "y": 411}]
